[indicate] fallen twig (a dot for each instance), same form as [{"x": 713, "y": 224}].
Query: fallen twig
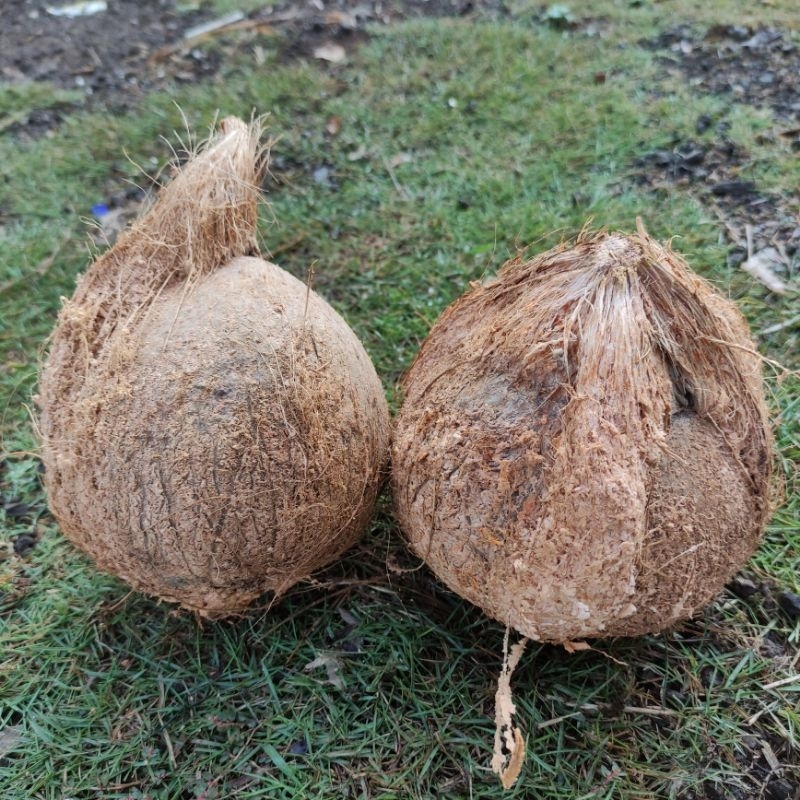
[
  {"x": 779, "y": 326},
  {"x": 231, "y": 22}
]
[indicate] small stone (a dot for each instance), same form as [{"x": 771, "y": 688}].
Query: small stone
[
  {"x": 780, "y": 789},
  {"x": 17, "y": 510},
  {"x": 790, "y": 604},
  {"x": 735, "y": 188},
  {"x": 24, "y": 543},
  {"x": 704, "y": 122},
  {"x": 742, "y": 586}
]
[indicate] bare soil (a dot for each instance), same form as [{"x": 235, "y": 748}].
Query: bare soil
[
  {"x": 757, "y": 67},
  {"x": 135, "y": 46}
]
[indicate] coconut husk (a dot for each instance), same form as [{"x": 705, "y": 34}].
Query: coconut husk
[
  {"x": 583, "y": 447},
  {"x": 509, "y": 742},
  {"x": 211, "y": 428},
  {"x": 205, "y": 217}
]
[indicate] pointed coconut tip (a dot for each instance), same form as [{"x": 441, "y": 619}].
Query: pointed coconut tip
[
  {"x": 614, "y": 247},
  {"x": 205, "y": 217}
]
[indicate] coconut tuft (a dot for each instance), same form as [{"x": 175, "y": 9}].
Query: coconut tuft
[
  {"x": 211, "y": 428},
  {"x": 583, "y": 448},
  {"x": 205, "y": 217}
]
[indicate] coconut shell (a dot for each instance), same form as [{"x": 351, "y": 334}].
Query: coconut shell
[
  {"x": 211, "y": 428},
  {"x": 583, "y": 447}
]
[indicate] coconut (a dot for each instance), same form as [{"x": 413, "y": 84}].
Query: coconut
[
  {"x": 583, "y": 448},
  {"x": 211, "y": 428}
]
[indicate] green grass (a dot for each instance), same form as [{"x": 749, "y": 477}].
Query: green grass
[
  {"x": 510, "y": 142},
  {"x": 18, "y": 100}
]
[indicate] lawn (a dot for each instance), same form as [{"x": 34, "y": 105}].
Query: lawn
[{"x": 428, "y": 156}]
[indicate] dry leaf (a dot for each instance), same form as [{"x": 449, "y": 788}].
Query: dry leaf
[
  {"x": 214, "y": 25},
  {"x": 344, "y": 19},
  {"x": 770, "y": 757},
  {"x": 761, "y": 266},
  {"x": 10, "y": 737},
  {"x": 779, "y": 326},
  {"x": 392, "y": 564},
  {"x": 347, "y": 617},
  {"x": 401, "y": 158},
  {"x": 331, "y": 51},
  {"x": 331, "y": 664},
  {"x": 575, "y": 647},
  {"x": 357, "y": 154},
  {"x": 509, "y": 743},
  {"x": 333, "y": 125},
  {"x": 83, "y": 9}
]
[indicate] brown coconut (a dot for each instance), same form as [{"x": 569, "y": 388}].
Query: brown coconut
[
  {"x": 211, "y": 428},
  {"x": 583, "y": 449}
]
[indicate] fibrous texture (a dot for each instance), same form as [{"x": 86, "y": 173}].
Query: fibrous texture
[
  {"x": 211, "y": 428},
  {"x": 583, "y": 447}
]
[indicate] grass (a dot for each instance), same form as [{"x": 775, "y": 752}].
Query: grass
[{"x": 459, "y": 143}]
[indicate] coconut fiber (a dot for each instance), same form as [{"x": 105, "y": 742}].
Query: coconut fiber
[
  {"x": 211, "y": 428},
  {"x": 583, "y": 447}
]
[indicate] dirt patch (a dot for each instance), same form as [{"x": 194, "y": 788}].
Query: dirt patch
[
  {"x": 102, "y": 54},
  {"x": 716, "y": 172},
  {"x": 754, "y": 66},
  {"x": 757, "y": 67},
  {"x": 115, "y": 56}
]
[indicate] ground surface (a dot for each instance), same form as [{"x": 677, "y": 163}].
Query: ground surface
[
  {"x": 113, "y": 58},
  {"x": 120, "y": 675},
  {"x": 755, "y": 66},
  {"x": 116, "y": 56}
]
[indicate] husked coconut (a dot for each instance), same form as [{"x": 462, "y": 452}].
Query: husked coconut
[
  {"x": 211, "y": 428},
  {"x": 583, "y": 447}
]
